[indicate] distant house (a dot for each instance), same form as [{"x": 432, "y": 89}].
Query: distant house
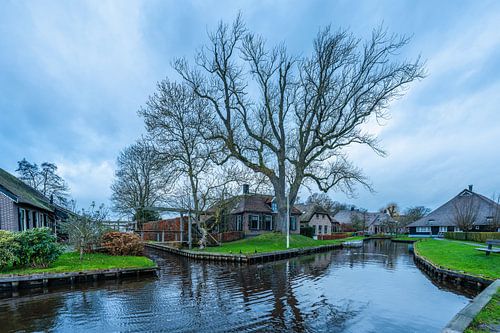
[
  {"x": 371, "y": 222},
  {"x": 318, "y": 218},
  {"x": 252, "y": 213},
  {"x": 443, "y": 218},
  {"x": 22, "y": 207}
]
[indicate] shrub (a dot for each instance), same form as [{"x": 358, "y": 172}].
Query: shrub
[
  {"x": 307, "y": 231},
  {"x": 481, "y": 237},
  {"x": 37, "y": 247},
  {"x": 122, "y": 243},
  {"x": 8, "y": 249}
]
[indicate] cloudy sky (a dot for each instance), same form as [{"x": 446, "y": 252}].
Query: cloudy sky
[{"x": 74, "y": 73}]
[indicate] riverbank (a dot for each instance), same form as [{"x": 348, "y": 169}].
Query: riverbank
[
  {"x": 68, "y": 269},
  {"x": 459, "y": 257},
  {"x": 488, "y": 319},
  {"x": 272, "y": 242}
]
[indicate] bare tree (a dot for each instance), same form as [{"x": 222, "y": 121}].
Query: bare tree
[
  {"x": 324, "y": 201},
  {"x": 45, "y": 180},
  {"x": 141, "y": 181},
  {"x": 412, "y": 214},
  {"x": 465, "y": 210},
  {"x": 495, "y": 214},
  {"x": 392, "y": 209},
  {"x": 290, "y": 117}
]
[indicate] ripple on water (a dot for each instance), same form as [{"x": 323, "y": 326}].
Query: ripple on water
[{"x": 374, "y": 288}]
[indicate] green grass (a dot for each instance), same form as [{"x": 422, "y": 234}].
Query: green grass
[
  {"x": 488, "y": 317},
  {"x": 406, "y": 238},
  {"x": 270, "y": 242},
  {"x": 460, "y": 257},
  {"x": 70, "y": 262}
]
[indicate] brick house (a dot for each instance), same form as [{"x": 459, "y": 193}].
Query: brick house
[
  {"x": 251, "y": 213},
  {"x": 22, "y": 207}
]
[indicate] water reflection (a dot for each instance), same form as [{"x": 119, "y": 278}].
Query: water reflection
[{"x": 376, "y": 288}]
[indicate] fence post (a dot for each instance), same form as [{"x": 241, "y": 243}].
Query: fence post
[
  {"x": 163, "y": 236},
  {"x": 142, "y": 235}
]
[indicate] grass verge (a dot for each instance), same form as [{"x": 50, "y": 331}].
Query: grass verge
[
  {"x": 271, "y": 242},
  {"x": 488, "y": 318},
  {"x": 460, "y": 257},
  {"x": 70, "y": 262}
]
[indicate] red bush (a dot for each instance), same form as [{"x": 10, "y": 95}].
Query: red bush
[{"x": 122, "y": 244}]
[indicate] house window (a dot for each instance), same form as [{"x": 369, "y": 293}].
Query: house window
[
  {"x": 239, "y": 222},
  {"x": 443, "y": 229},
  {"x": 254, "y": 222},
  {"x": 326, "y": 229},
  {"x": 423, "y": 229},
  {"x": 268, "y": 222},
  {"x": 320, "y": 228},
  {"x": 476, "y": 227},
  {"x": 22, "y": 219},
  {"x": 456, "y": 229},
  {"x": 274, "y": 206},
  {"x": 293, "y": 223},
  {"x": 489, "y": 219}
]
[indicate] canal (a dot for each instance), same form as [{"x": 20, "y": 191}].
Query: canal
[{"x": 376, "y": 288}]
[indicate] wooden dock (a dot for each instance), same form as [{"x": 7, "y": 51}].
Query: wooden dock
[
  {"x": 14, "y": 282},
  {"x": 241, "y": 258}
]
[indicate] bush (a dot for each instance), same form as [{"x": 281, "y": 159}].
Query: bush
[
  {"x": 481, "y": 237},
  {"x": 8, "y": 249},
  {"x": 307, "y": 231},
  {"x": 37, "y": 247},
  {"x": 122, "y": 244}
]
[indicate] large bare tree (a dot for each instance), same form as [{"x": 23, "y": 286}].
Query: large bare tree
[
  {"x": 141, "y": 181},
  {"x": 291, "y": 117}
]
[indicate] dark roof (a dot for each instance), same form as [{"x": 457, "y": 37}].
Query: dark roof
[
  {"x": 256, "y": 203},
  {"x": 308, "y": 212},
  {"x": 22, "y": 193},
  {"x": 443, "y": 215}
]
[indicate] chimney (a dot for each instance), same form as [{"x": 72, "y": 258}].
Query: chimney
[
  {"x": 246, "y": 188},
  {"x": 51, "y": 199},
  {"x": 470, "y": 188}
]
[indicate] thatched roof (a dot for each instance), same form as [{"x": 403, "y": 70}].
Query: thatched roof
[
  {"x": 308, "y": 212},
  {"x": 444, "y": 215},
  {"x": 22, "y": 193}
]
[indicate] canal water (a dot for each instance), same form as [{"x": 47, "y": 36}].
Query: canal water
[{"x": 376, "y": 288}]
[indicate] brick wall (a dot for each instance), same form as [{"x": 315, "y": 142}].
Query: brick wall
[{"x": 8, "y": 214}]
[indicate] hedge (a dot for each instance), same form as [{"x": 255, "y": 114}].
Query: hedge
[
  {"x": 472, "y": 236},
  {"x": 307, "y": 231}
]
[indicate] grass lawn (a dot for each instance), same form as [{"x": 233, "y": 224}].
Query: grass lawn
[
  {"x": 270, "y": 242},
  {"x": 460, "y": 257},
  {"x": 406, "y": 238},
  {"x": 488, "y": 318},
  {"x": 70, "y": 262}
]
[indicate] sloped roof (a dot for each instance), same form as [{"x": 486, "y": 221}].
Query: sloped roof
[
  {"x": 23, "y": 193},
  {"x": 371, "y": 218},
  {"x": 443, "y": 215},
  {"x": 308, "y": 212}
]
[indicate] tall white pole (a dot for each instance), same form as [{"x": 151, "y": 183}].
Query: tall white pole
[{"x": 287, "y": 221}]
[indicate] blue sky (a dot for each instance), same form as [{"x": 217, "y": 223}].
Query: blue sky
[{"x": 73, "y": 75}]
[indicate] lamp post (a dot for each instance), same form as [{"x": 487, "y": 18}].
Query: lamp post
[{"x": 288, "y": 221}]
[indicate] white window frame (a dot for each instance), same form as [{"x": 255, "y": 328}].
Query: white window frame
[
  {"x": 251, "y": 219},
  {"x": 239, "y": 222},
  {"x": 423, "y": 229},
  {"x": 443, "y": 229}
]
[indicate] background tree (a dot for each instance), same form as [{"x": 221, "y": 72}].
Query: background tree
[
  {"x": 392, "y": 209},
  {"x": 44, "y": 178},
  {"x": 465, "y": 210},
  {"x": 141, "y": 181},
  {"x": 292, "y": 117},
  {"x": 359, "y": 219},
  {"x": 327, "y": 203},
  {"x": 495, "y": 214},
  {"x": 412, "y": 214}
]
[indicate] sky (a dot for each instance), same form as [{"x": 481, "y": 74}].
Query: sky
[{"x": 74, "y": 73}]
